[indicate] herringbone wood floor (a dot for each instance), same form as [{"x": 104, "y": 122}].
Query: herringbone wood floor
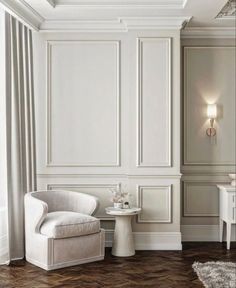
[{"x": 157, "y": 269}]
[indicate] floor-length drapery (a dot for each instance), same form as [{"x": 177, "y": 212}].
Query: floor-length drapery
[{"x": 20, "y": 137}]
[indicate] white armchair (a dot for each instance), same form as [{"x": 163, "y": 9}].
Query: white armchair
[{"x": 60, "y": 231}]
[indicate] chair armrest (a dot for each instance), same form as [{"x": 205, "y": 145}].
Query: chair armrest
[
  {"x": 85, "y": 203},
  {"x": 35, "y": 212}
]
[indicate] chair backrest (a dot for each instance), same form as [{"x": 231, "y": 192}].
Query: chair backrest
[{"x": 58, "y": 200}]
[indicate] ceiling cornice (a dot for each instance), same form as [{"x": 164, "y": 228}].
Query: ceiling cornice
[
  {"x": 122, "y": 24},
  {"x": 23, "y": 12},
  {"x": 208, "y": 32},
  {"x": 103, "y": 4},
  {"x": 99, "y": 25},
  {"x": 51, "y": 2},
  {"x": 228, "y": 11}
]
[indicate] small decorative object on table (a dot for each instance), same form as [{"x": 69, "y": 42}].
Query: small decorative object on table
[
  {"x": 126, "y": 205},
  {"x": 118, "y": 198}
]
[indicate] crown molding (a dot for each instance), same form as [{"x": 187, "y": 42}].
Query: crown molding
[
  {"x": 228, "y": 11},
  {"x": 150, "y": 23},
  {"x": 23, "y": 12},
  {"x": 123, "y": 24},
  {"x": 51, "y": 2},
  {"x": 208, "y": 32},
  {"x": 101, "y": 4},
  {"x": 99, "y": 25}
]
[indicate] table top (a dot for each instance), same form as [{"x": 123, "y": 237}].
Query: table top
[{"x": 122, "y": 211}]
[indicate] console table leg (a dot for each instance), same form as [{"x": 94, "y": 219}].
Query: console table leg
[
  {"x": 228, "y": 235},
  {"x": 221, "y": 230}
]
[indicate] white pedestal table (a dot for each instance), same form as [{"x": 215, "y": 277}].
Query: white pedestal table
[{"x": 123, "y": 243}]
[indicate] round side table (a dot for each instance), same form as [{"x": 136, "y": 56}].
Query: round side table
[{"x": 123, "y": 243}]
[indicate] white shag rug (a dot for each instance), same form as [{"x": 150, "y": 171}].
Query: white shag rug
[{"x": 216, "y": 274}]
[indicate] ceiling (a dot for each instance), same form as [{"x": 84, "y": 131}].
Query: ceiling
[{"x": 48, "y": 15}]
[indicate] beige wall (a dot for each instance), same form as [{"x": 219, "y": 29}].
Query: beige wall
[{"x": 208, "y": 76}]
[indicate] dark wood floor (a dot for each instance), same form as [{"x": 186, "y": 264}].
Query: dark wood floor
[{"x": 162, "y": 269}]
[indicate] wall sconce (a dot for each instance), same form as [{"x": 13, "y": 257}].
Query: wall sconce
[{"x": 211, "y": 114}]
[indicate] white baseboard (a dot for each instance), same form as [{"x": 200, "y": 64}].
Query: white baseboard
[
  {"x": 151, "y": 240},
  {"x": 203, "y": 233}
]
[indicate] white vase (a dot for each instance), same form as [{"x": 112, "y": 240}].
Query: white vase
[{"x": 118, "y": 205}]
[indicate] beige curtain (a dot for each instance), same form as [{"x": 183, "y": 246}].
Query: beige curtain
[{"x": 20, "y": 134}]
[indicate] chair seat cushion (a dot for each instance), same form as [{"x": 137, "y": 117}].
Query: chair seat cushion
[{"x": 65, "y": 224}]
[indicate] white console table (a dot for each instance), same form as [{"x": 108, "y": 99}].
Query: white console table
[{"x": 227, "y": 210}]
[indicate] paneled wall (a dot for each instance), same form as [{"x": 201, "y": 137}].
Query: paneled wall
[
  {"x": 208, "y": 76},
  {"x": 108, "y": 115}
]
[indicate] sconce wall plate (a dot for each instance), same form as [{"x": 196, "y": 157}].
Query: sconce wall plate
[
  {"x": 211, "y": 113},
  {"x": 211, "y": 132}
]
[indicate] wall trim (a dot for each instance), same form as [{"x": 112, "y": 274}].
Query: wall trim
[
  {"x": 140, "y": 203},
  {"x": 208, "y": 32},
  {"x": 51, "y": 2},
  {"x": 201, "y": 173},
  {"x": 187, "y": 183},
  {"x": 139, "y": 161},
  {"x": 186, "y": 161},
  {"x": 172, "y": 240},
  {"x": 49, "y": 162},
  {"x": 109, "y": 175},
  {"x": 99, "y": 4},
  {"x": 151, "y": 240},
  {"x": 120, "y": 24},
  {"x": 23, "y": 12},
  {"x": 203, "y": 233}
]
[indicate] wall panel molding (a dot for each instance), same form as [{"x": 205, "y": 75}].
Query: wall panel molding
[
  {"x": 109, "y": 175},
  {"x": 89, "y": 189},
  {"x": 203, "y": 233},
  {"x": 49, "y": 160},
  {"x": 166, "y": 136},
  {"x": 167, "y": 190},
  {"x": 189, "y": 204},
  {"x": 205, "y": 92}
]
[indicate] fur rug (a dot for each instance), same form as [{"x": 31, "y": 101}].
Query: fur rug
[{"x": 216, "y": 274}]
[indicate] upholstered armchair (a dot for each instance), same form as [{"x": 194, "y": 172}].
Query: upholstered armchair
[{"x": 60, "y": 231}]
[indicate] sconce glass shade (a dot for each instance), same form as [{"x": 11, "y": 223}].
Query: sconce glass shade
[{"x": 211, "y": 111}]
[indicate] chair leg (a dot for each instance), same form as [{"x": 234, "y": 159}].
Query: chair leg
[
  {"x": 228, "y": 235},
  {"x": 221, "y": 229}
]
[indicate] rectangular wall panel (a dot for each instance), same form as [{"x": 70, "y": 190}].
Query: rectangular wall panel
[
  {"x": 101, "y": 191},
  {"x": 209, "y": 78},
  {"x": 154, "y": 102},
  {"x": 83, "y": 115},
  {"x": 156, "y": 204},
  {"x": 201, "y": 199}
]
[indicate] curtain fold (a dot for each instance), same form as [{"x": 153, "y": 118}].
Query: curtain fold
[{"x": 20, "y": 135}]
